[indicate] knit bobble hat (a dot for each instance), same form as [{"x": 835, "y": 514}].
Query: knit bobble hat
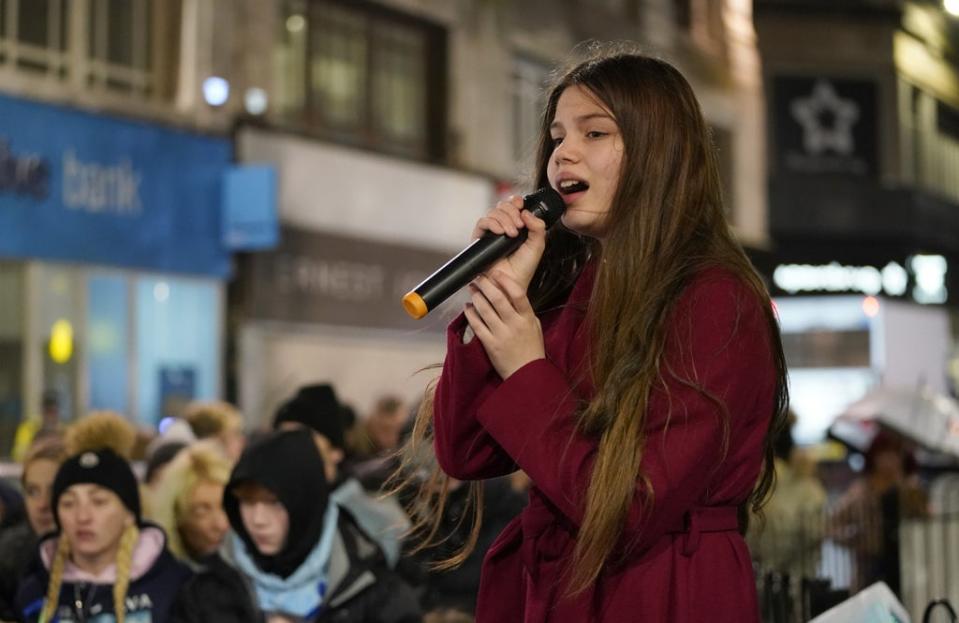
[{"x": 102, "y": 467}]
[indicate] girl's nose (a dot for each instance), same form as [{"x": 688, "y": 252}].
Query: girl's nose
[{"x": 565, "y": 152}]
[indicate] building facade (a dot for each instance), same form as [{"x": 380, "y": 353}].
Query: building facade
[
  {"x": 390, "y": 125},
  {"x": 394, "y": 125},
  {"x": 112, "y": 266},
  {"x": 862, "y": 101}
]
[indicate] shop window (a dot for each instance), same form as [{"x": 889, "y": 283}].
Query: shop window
[
  {"x": 178, "y": 342},
  {"x": 108, "y": 341},
  {"x": 104, "y": 339},
  {"x": 61, "y": 335},
  {"x": 529, "y": 95},
  {"x": 362, "y": 75}
]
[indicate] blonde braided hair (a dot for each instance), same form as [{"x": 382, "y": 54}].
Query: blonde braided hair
[
  {"x": 122, "y": 581},
  {"x": 56, "y": 578},
  {"x": 124, "y": 562}
]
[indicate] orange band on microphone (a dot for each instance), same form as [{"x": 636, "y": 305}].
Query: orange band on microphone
[{"x": 414, "y": 305}]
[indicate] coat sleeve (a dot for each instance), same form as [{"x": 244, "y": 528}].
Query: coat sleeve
[
  {"x": 717, "y": 338},
  {"x": 464, "y": 449}
]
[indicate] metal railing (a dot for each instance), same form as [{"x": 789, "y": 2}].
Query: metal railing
[{"x": 809, "y": 562}]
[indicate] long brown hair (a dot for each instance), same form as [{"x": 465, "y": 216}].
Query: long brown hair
[{"x": 666, "y": 223}]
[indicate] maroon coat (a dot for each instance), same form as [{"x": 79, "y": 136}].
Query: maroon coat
[{"x": 689, "y": 563}]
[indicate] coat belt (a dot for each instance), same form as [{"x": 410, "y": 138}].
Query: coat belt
[{"x": 706, "y": 519}]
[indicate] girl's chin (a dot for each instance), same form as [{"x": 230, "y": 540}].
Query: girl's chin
[{"x": 582, "y": 223}]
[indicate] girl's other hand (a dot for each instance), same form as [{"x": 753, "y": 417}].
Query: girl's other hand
[{"x": 503, "y": 320}]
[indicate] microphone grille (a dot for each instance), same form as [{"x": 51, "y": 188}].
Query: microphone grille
[{"x": 546, "y": 204}]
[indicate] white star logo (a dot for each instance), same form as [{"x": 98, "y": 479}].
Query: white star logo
[{"x": 817, "y": 136}]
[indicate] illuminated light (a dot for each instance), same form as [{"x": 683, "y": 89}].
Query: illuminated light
[
  {"x": 295, "y": 23},
  {"x": 164, "y": 424},
  {"x": 161, "y": 292},
  {"x": 833, "y": 277},
  {"x": 216, "y": 91},
  {"x": 255, "y": 101},
  {"x": 930, "y": 271},
  {"x": 952, "y": 7},
  {"x": 61, "y": 341},
  {"x": 870, "y": 306},
  {"x": 895, "y": 279}
]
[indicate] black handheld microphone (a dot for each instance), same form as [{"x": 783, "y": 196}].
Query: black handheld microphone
[{"x": 545, "y": 204}]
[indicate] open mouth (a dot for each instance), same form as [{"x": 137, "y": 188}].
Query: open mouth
[{"x": 569, "y": 187}]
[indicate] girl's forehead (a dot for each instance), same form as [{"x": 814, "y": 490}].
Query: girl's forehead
[{"x": 579, "y": 102}]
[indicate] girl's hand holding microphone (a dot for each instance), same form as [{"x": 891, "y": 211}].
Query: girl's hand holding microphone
[{"x": 499, "y": 311}]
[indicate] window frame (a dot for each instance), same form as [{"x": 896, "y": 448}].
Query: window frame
[
  {"x": 431, "y": 145},
  {"x": 70, "y": 65}
]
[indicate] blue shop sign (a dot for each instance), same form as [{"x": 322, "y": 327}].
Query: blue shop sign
[{"x": 81, "y": 187}]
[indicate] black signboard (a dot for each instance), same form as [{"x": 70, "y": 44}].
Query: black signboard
[
  {"x": 323, "y": 278},
  {"x": 825, "y": 125}
]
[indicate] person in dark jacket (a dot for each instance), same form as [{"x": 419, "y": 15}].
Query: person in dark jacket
[
  {"x": 18, "y": 544},
  {"x": 305, "y": 557},
  {"x": 317, "y": 408},
  {"x": 103, "y": 564}
]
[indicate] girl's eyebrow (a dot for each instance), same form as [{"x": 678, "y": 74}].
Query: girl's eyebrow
[{"x": 580, "y": 119}]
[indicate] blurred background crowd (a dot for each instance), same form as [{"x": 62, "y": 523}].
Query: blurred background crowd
[
  {"x": 245, "y": 524},
  {"x": 210, "y": 209}
]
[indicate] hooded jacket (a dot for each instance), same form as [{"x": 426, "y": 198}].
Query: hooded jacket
[
  {"x": 155, "y": 580},
  {"x": 288, "y": 464},
  {"x": 329, "y": 568}
]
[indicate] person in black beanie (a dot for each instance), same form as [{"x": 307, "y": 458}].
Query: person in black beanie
[
  {"x": 316, "y": 408},
  {"x": 102, "y": 559},
  {"x": 306, "y": 558}
]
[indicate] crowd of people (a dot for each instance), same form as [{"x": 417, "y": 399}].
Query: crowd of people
[
  {"x": 820, "y": 541},
  {"x": 208, "y": 522}
]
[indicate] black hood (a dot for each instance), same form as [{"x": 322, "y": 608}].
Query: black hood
[{"x": 289, "y": 465}]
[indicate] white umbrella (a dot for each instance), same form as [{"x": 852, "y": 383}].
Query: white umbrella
[{"x": 929, "y": 419}]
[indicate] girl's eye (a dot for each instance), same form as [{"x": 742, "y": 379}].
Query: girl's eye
[
  {"x": 595, "y": 134},
  {"x": 557, "y": 140}
]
